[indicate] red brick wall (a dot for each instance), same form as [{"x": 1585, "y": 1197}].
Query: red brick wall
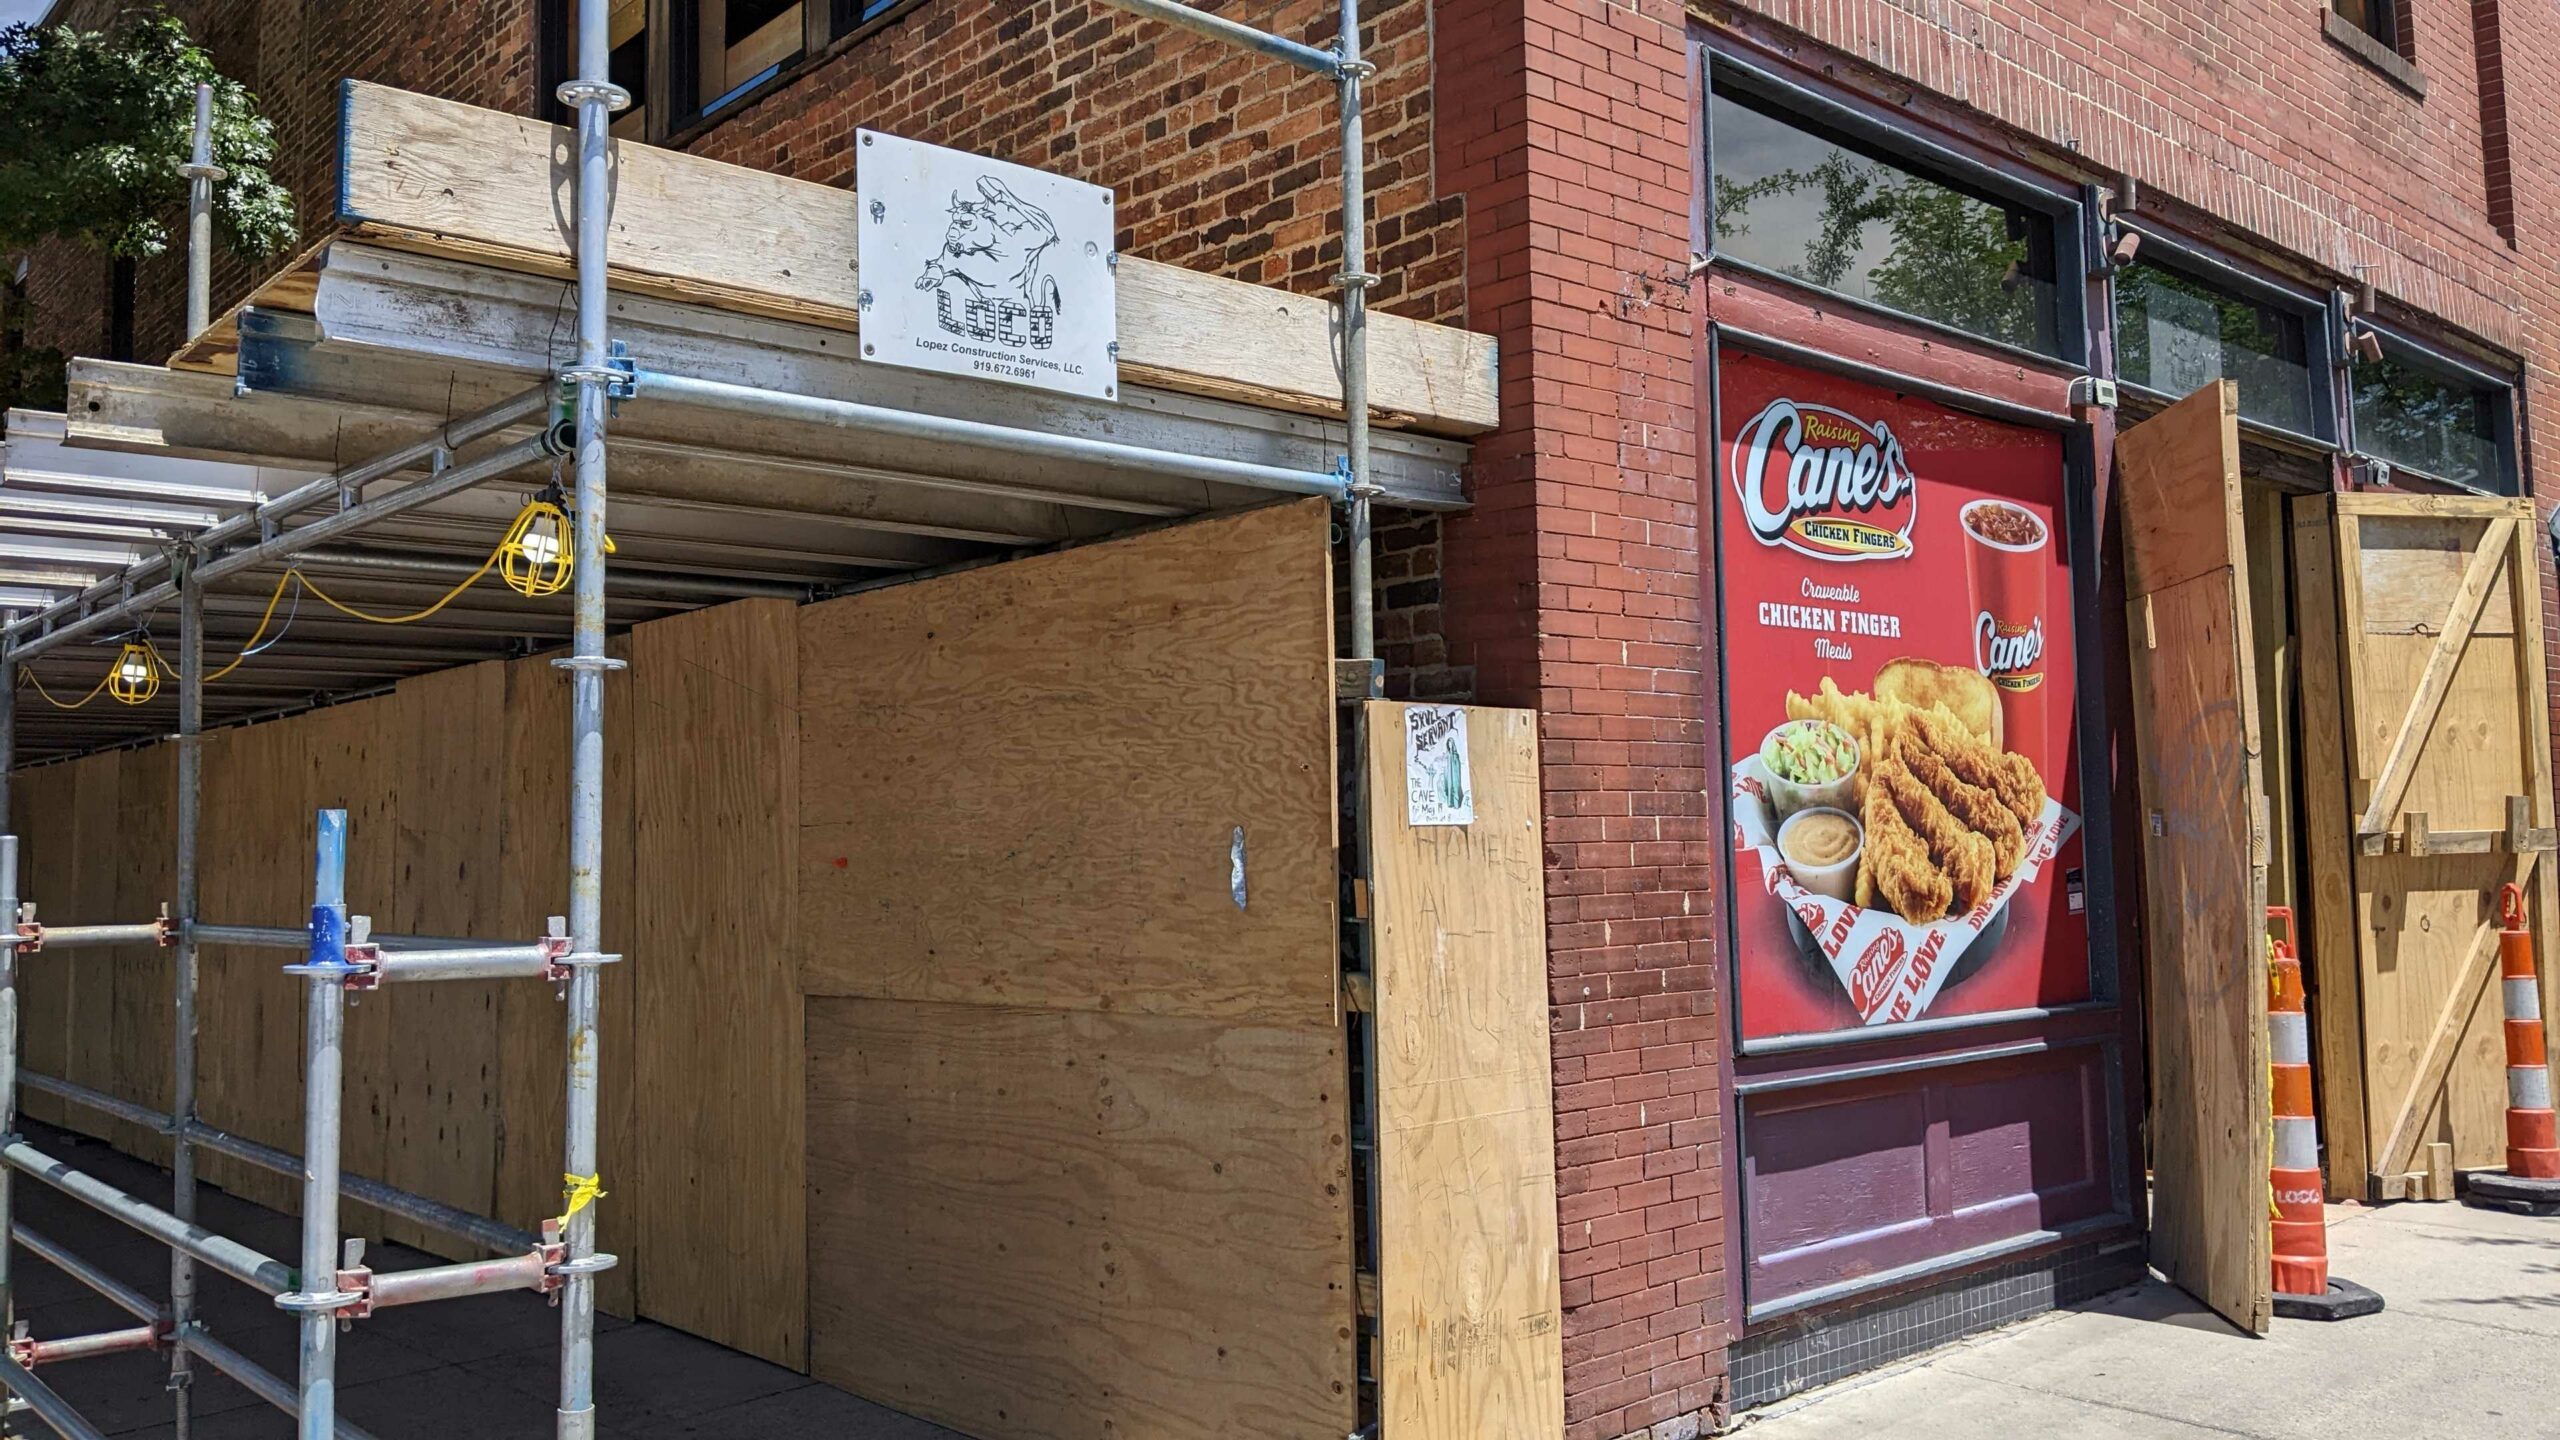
[
  {"x": 291, "y": 56},
  {"x": 1573, "y": 587}
]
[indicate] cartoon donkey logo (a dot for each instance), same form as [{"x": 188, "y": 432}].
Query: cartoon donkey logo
[{"x": 990, "y": 281}]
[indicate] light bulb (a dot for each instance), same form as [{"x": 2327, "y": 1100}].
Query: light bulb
[
  {"x": 540, "y": 546},
  {"x": 134, "y": 670}
]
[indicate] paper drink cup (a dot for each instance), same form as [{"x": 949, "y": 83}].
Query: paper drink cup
[{"x": 2005, "y": 560}]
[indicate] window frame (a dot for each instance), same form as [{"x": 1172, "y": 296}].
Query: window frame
[
  {"x": 827, "y": 27},
  {"x": 2061, "y": 208},
  {"x": 2162, "y": 250},
  {"x": 2505, "y": 401}
]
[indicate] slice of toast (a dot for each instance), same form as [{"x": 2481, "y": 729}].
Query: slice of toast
[{"x": 1964, "y": 692}]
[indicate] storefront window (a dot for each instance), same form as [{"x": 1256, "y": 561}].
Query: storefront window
[
  {"x": 2176, "y": 335},
  {"x": 2431, "y": 420},
  {"x": 1792, "y": 199}
]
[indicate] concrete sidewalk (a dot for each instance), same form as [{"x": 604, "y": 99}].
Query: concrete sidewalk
[{"x": 2469, "y": 1346}]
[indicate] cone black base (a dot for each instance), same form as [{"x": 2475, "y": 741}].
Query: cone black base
[
  {"x": 2345, "y": 1301},
  {"x": 2491, "y": 1190}
]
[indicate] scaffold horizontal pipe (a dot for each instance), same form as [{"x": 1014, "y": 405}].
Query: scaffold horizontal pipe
[
  {"x": 69, "y": 937},
  {"x": 117, "y": 1293},
  {"x": 452, "y": 1282},
  {"x": 106, "y": 1342},
  {"x": 462, "y": 1224},
  {"x": 121, "y": 596},
  {"x": 1036, "y": 444},
  {"x": 259, "y": 1272},
  {"x": 382, "y": 507},
  {"x": 499, "y": 962},
  {"x": 295, "y": 937},
  {"x": 253, "y": 1377},
  {"x": 98, "y": 1100},
  {"x": 50, "y": 1408},
  {"x": 1261, "y": 42}
]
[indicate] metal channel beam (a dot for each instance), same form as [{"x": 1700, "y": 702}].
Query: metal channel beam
[{"x": 474, "y": 318}]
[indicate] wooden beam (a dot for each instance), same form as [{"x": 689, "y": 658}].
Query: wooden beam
[
  {"x": 2400, "y": 1146},
  {"x": 443, "y": 178},
  {"x": 2330, "y": 961},
  {"x": 2400, "y": 762}
]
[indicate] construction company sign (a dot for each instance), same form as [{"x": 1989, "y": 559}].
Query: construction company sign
[{"x": 974, "y": 267}]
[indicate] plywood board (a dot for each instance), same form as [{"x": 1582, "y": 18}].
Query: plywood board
[
  {"x": 715, "y": 711},
  {"x": 1029, "y": 784},
  {"x": 1035, "y": 1225},
  {"x": 2441, "y": 660},
  {"x": 451, "y": 179},
  {"x": 2204, "y": 861},
  {"x": 1469, "y": 1309},
  {"x": 440, "y": 1091},
  {"x": 2329, "y": 921},
  {"x": 146, "y": 880},
  {"x": 48, "y": 875},
  {"x": 532, "y": 1021}
]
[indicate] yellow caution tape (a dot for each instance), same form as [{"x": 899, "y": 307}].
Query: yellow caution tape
[{"x": 582, "y": 1191}]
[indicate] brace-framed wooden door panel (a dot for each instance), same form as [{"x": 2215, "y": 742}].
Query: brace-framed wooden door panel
[
  {"x": 2448, "y": 752},
  {"x": 2204, "y": 850}
]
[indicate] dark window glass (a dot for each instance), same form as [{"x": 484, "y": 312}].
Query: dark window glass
[
  {"x": 2174, "y": 335},
  {"x": 2377, "y": 18},
  {"x": 627, "y": 32},
  {"x": 2429, "y": 420},
  {"x": 1830, "y": 214}
]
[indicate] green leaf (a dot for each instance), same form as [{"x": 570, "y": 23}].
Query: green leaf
[{"x": 96, "y": 128}]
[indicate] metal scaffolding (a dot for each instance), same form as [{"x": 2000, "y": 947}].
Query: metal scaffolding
[{"x": 180, "y": 553}]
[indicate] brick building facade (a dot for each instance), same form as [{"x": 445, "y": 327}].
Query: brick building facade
[{"x": 1535, "y": 166}]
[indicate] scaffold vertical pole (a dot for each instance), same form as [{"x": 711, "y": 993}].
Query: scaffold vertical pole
[
  {"x": 595, "y": 97},
  {"x": 183, "y": 979},
  {"x": 201, "y": 172},
  {"x": 8, "y": 1083},
  {"x": 324, "y": 976}
]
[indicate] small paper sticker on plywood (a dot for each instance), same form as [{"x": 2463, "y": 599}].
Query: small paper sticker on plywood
[{"x": 1438, "y": 787}]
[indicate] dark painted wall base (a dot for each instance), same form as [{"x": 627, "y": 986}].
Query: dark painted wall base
[{"x": 1800, "y": 1352}]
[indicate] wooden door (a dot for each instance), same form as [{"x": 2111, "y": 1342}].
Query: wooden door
[
  {"x": 2204, "y": 850},
  {"x": 2446, "y": 766}
]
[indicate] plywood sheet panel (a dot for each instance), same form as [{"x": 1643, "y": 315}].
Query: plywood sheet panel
[
  {"x": 533, "y": 1037},
  {"x": 48, "y": 875},
  {"x": 439, "y": 1090},
  {"x": 1029, "y": 784},
  {"x": 2196, "y": 724},
  {"x": 95, "y": 898},
  {"x": 347, "y": 755},
  {"x": 716, "y": 793},
  {"x": 1033, "y": 1225},
  {"x": 2329, "y": 929},
  {"x": 1468, "y": 1285},
  {"x": 147, "y": 879},
  {"x": 256, "y": 851}
]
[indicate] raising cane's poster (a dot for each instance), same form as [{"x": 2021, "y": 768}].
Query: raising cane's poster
[{"x": 1903, "y": 775}]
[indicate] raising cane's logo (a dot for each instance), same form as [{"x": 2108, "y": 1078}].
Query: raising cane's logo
[
  {"x": 1824, "y": 483},
  {"x": 2009, "y": 656}
]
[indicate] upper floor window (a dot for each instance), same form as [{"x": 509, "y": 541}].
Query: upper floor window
[
  {"x": 2426, "y": 414},
  {"x": 2379, "y": 19},
  {"x": 700, "y": 57},
  {"x": 2175, "y": 334},
  {"x": 1825, "y": 208}
]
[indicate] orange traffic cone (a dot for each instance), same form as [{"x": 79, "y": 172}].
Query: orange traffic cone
[
  {"x": 2531, "y": 1185},
  {"x": 2304, "y": 1289}
]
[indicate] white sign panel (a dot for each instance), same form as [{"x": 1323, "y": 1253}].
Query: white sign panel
[
  {"x": 975, "y": 267},
  {"x": 1438, "y": 787}
]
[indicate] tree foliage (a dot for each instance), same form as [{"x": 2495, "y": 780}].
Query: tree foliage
[
  {"x": 1929, "y": 250},
  {"x": 96, "y": 127}
]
